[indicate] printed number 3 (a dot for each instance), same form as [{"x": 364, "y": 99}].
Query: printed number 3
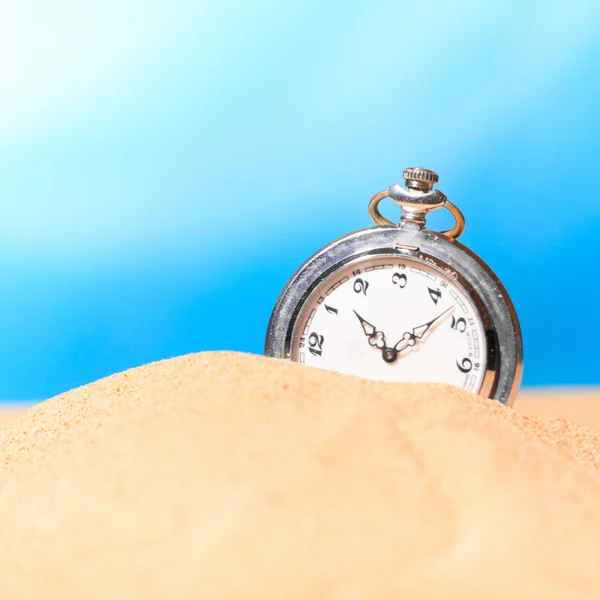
[{"x": 400, "y": 279}]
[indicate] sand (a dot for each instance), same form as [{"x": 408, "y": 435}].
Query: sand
[
  {"x": 8, "y": 415},
  {"x": 235, "y": 476},
  {"x": 574, "y": 404}
]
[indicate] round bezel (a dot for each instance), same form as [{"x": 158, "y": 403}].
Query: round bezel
[{"x": 480, "y": 283}]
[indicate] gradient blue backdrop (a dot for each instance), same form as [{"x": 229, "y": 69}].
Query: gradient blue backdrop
[{"x": 165, "y": 167}]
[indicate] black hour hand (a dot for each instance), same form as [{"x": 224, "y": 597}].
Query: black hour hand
[{"x": 376, "y": 338}]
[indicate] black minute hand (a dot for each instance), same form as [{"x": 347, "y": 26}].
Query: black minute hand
[
  {"x": 410, "y": 339},
  {"x": 419, "y": 332}
]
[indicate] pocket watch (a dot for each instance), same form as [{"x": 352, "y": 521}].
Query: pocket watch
[{"x": 402, "y": 303}]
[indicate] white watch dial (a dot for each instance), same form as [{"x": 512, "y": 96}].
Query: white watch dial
[{"x": 392, "y": 319}]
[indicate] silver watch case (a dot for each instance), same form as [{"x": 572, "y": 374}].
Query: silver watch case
[{"x": 503, "y": 333}]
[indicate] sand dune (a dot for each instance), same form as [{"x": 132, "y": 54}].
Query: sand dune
[{"x": 235, "y": 476}]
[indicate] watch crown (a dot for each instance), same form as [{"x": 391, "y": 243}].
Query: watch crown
[{"x": 420, "y": 179}]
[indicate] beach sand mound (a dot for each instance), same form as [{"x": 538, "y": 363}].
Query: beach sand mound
[{"x": 222, "y": 475}]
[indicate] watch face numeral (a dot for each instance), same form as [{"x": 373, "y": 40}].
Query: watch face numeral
[
  {"x": 400, "y": 279},
  {"x": 465, "y": 366},
  {"x": 361, "y": 286},
  {"x": 459, "y": 324},
  {"x": 435, "y": 295},
  {"x": 315, "y": 342},
  {"x": 333, "y": 311}
]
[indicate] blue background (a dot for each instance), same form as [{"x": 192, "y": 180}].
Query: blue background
[{"x": 165, "y": 167}]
